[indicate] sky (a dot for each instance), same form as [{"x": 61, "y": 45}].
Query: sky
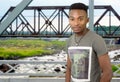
[{"x": 6, "y": 4}]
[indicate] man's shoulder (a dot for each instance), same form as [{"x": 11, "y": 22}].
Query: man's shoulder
[{"x": 92, "y": 33}]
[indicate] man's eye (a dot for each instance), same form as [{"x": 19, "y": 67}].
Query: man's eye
[
  {"x": 80, "y": 19},
  {"x": 71, "y": 19}
]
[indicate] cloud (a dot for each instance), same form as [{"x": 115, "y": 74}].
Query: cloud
[
  {"x": 56, "y": 3},
  {"x": 113, "y": 3},
  {"x": 4, "y": 7}
]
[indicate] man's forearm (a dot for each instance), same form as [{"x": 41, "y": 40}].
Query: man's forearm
[
  {"x": 68, "y": 76},
  {"x": 106, "y": 77}
]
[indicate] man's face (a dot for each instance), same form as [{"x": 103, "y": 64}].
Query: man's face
[{"x": 78, "y": 20}]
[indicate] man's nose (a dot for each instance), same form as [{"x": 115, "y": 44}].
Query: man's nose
[{"x": 76, "y": 22}]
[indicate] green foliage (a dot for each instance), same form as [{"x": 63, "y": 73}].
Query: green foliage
[
  {"x": 114, "y": 68},
  {"x": 58, "y": 44},
  {"x": 20, "y": 48}
]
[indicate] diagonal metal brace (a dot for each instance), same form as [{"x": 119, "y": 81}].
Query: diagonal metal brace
[{"x": 11, "y": 17}]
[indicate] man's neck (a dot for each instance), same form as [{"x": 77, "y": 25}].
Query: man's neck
[{"x": 82, "y": 33}]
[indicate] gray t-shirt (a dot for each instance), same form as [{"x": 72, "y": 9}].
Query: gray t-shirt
[{"x": 98, "y": 45}]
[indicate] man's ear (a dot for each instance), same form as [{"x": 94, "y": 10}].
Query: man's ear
[{"x": 87, "y": 20}]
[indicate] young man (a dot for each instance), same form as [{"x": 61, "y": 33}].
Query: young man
[{"x": 100, "y": 63}]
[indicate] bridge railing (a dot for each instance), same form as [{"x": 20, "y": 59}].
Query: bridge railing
[
  {"x": 32, "y": 68},
  {"x": 114, "y": 53},
  {"x": 113, "y": 47},
  {"x": 40, "y": 68},
  {"x": 116, "y": 68}
]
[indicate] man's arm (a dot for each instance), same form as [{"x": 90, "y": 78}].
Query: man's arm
[
  {"x": 105, "y": 65},
  {"x": 68, "y": 71}
]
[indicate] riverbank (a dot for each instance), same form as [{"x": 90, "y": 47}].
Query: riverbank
[{"x": 21, "y": 48}]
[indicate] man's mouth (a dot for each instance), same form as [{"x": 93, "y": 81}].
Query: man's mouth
[{"x": 76, "y": 28}]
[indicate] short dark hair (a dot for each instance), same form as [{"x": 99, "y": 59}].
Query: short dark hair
[{"x": 79, "y": 6}]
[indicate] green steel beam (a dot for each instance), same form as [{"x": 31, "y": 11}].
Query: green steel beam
[{"x": 11, "y": 17}]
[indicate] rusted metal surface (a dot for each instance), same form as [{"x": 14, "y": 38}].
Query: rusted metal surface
[{"x": 51, "y": 21}]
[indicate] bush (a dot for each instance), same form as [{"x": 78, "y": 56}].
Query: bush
[{"x": 20, "y": 48}]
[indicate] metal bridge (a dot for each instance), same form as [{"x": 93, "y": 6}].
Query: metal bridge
[
  {"x": 49, "y": 21},
  {"x": 31, "y": 71},
  {"x": 46, "y": 70}
]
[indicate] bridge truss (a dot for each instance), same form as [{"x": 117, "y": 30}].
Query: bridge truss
[{"x": 52, "y": 21}]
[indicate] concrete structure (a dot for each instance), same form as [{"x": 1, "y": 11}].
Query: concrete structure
[{"x": 41, "y": 80}]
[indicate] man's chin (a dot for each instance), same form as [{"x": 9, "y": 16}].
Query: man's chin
[{"x": 76, "y": 32}]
